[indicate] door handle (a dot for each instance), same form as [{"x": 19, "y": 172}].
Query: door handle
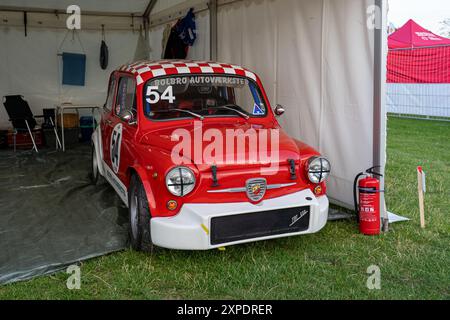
[{"x": 108, "y": 122}]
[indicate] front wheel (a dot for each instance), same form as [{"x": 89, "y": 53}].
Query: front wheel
[{"x": 139, "y": 212}]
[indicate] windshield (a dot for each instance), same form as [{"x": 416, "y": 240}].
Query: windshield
[{"x": 202, "y": 96}]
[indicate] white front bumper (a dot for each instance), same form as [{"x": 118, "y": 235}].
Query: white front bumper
[{"x": 189, "y": 230}]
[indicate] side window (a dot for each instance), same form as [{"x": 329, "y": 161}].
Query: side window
[
  {"x": 109, "y": 99},
  {"x": 126, "y": 96}
]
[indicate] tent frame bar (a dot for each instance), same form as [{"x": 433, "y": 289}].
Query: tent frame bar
[
  {"x": 213, "y": 29},
  {"x": 146, "y": 17},
  {"x": 178, "y": 11},
  {"x": 415, "y": 48},
  {"x": 379, "y": 103},
  {"x": 149, "y": 9},
  {"x": 62, "y": 12}
]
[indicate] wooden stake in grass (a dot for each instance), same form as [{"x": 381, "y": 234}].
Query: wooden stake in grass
[{"x": 422, "y": 189}]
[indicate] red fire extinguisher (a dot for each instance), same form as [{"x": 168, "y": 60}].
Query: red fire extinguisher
[{"x": 367, "y": 207}]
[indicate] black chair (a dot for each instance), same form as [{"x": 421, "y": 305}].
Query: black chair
[
  {"x": 49, "y": 118},
  {"x": 22, "y": 118}
]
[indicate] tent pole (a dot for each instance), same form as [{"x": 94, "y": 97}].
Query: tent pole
[
  {"x": 146, "y": 17},
  {"x": 212, "y": 5},
  {"x": 379, "y": 102},
  {"x": 25, "y": 21}
]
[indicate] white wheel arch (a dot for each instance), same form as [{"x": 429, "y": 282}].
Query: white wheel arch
[{"x": 97, "y": 142}]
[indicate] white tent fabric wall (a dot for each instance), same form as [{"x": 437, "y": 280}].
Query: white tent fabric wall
[
  {"x": 306, "y": 55},
  {"x": 30, "y": 66}
]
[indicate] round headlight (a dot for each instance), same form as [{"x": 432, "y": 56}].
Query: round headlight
[
  {"x": 318, "y": 169},
  {"x": 180, "y": 181}
]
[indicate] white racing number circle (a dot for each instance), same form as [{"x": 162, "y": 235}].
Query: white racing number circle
[{"x": 115, "y": 144}]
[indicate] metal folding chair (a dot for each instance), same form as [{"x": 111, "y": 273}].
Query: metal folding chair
[{"x": 22, "y": 118}]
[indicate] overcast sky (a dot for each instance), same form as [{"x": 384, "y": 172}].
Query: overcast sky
[{"x": 427, "y": 13}]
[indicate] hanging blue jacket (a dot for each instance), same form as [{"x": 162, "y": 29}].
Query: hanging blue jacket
[{"x": 186, "y": 28}]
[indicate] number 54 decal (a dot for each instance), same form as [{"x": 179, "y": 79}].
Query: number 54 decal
[
  {"x": 153, "y": 95},
  {"x": 115, "y": 144}
]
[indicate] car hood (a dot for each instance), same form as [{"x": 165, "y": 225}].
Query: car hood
[{"x": 169, "y": 139}]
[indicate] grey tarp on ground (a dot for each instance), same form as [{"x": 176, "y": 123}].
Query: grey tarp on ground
[{"x": 51, "y": 216}]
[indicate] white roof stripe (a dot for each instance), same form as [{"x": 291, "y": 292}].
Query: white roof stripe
[
  {"x": 207, "y": 69},
  {"x": 250, "y": 75},
  {"x": 183, "y": 70},
  {"x": 229, "y": 70},
  {"x": 159, "y": 72}
]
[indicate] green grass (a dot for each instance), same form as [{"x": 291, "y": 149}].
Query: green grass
[{"x": 415, "y": 263}]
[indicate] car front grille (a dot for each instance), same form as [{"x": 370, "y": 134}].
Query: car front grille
[{"x": 227, "y": 229}]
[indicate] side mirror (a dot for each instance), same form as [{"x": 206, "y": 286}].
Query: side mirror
[
  {"x": 279, "y": 110},
  {"x": 129, "y": 117}
]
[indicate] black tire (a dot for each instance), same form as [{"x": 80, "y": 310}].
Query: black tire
[
  {"x": 94, "y": 166},
  {"x": 139, "y": 215}
]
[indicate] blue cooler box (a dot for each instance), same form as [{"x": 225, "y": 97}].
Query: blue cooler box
[{"x": 86, "y": 128}]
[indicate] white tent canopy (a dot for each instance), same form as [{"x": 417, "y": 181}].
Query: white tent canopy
[{"x": 318, "y": 58}]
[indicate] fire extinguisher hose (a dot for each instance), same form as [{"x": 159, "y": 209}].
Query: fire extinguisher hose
[{"x": 355, "y": 193}]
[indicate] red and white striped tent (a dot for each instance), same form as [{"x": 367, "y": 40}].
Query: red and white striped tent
[
  {"x": 417, "y": 55},
  {"x": 418, "y": 73}
]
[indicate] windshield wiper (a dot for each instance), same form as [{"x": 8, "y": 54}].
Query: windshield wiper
[
  {"x": 196, "y": 115},
  {"x": 190, "y": 112},
  {"x": 229, "y": 107}
]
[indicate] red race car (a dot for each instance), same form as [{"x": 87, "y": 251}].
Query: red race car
[{"x": 195, "y": 152}]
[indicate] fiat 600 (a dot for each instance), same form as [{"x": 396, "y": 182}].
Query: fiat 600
[{"x": 196, "y": 153}]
